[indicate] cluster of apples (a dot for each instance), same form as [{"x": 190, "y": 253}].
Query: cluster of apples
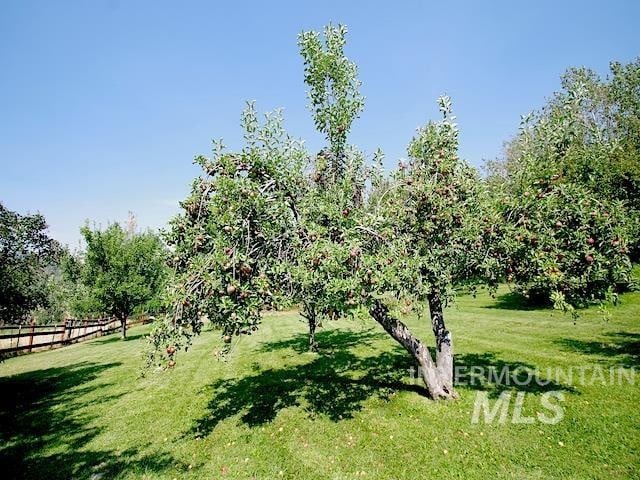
[{"x": 171, "y": 350}]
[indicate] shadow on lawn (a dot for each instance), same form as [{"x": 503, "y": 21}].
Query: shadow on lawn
[
  {"x": 334, "y": 384},
  {"x": 115, "y": 337},
  {"x": 327, "y": 340},
  {"x": 621, "y": 349},
  {"x": 485, "y": 371},
  {"x": 514, "y": 301},
  {"x": 44, "y": 432}
]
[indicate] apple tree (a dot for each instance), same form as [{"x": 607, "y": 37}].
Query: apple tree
[
  {"x": 566, "y": 238},
  {"x": 433, "y": 230},
  {"x": 323, "y": 267},
  {"x": 234, "y": 239},
  {"x": 272, "y": 223}
]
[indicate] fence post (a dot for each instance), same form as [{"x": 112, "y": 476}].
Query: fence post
[
  {"x": 33, "y": 327},
  {"x": 18, "y": 338},
  {"x": 64, "y": 330},
  {"x": 67, "y": 330}
]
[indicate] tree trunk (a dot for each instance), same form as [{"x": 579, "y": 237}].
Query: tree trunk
[
  {"x": 310, "y": 314},
  {"x": 123, "y": 327},
  {"x": 313, "y": 345},
  {"x": 444, "y": 342},
  {"x": 431, "y": 376}
]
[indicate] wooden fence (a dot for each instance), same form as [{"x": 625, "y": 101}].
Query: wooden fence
[{"x": 17, "y": 339}]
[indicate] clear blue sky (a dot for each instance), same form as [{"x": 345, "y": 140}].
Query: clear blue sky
[{"x": 104, "y": 103}]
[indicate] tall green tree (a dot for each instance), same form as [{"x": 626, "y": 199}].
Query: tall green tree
[
  {"x": 27, "y": 254},
  {"x": 122, "y": 270},
  {"x": 273, "y": 221},
  {"x": 587, "y": 136},
  {"x": 568, "y": 191},
  {"x": 434, "y": 226},
  {"x": 335, "y": 187}
]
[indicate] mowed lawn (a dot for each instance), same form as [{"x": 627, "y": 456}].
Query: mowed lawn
[{"x": 272, "y": 410}]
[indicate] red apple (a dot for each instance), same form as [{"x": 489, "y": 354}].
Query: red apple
[
  {"x": 588, "y": 258},
  {"x": 171, "y": 349},
  {"x": 590, "y": 241}
]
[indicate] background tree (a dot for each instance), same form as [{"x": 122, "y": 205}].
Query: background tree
[
  {"x": 568, "y": 196},
  {"x": 586, "y": 135},
  {"x": 27, "y": 254},
  {"x": 121, "y": 270},
  {"x": 59, "y": 294}
]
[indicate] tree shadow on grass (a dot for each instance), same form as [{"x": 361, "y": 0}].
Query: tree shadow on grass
[
  {"x": 328, "y": 341},
  {"x": 515, "y": 301},
  {"x": 486, "y": 372},
  {"x": 115, "y": 337},
  {"x": 334, "y": 384},
  {"x": 44, "y": 431},
  {"x": 621, "y": 349}
]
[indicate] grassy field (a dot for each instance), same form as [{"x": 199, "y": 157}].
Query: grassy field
[{"x": 275, "y": 411}]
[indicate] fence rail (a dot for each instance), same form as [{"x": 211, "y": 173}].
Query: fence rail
[{"x": 16, "y": 339}]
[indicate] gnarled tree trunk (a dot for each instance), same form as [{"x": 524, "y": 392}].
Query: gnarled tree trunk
[
  {"x": 437, "y": 386},
  {"x": 444, "y": 342}
]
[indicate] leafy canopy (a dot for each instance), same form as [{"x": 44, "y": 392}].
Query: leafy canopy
[
  {"x": 121, "y": 270},
  {"x": 27, "y": 253}
]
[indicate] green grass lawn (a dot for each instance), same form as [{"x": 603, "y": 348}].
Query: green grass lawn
[{"x": 273, "y": 410}]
